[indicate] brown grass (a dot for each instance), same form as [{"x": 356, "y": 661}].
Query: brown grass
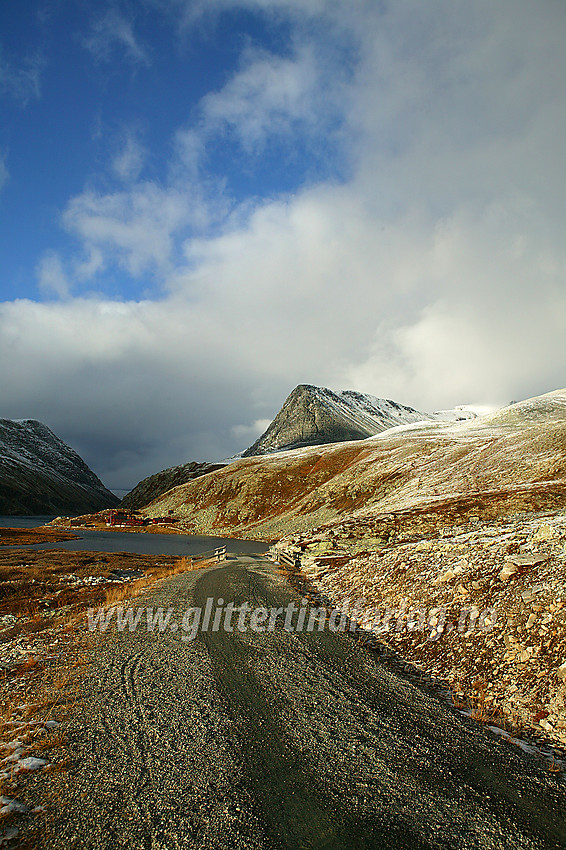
[
  {"x": 54, "y": 692},
  {"x": 34, "y": 585},
  {"x": 39, "y": 589},
  {"x": 29, "y": 536},
  {"x": 481, "y": 471},
  {"x": 116, "y": 593}
]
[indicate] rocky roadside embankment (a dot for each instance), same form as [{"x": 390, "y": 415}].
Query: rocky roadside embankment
[{"x": 480, "y": 606}]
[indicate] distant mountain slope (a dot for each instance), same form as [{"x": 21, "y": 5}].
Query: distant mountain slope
[
  {"x": 155, "y": 485},
  {"x": 314, "y": 416},
  {"x": 513, "y": 460},
  {"x": 40, "y": 474},
  {"x": 550, "y": 407}
]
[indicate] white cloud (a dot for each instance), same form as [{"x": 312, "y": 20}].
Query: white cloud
[
  {"x": 460, "y": 108},
  {"x": 191, "y": 11},
  {"x": 435, "y": 274},
  {"x": 89, "y": 266},
  {"x": 139, "y": 225},
  {"x": 114, "y": 33},
  {"x": 269, "y": 97},
  {"x": 129, "y": 161},
  {"x": 51, "y": 275},
  {"x": 135, "y": 228}
]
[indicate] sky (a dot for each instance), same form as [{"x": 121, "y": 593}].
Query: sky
[{"x": 204, "y": 203}]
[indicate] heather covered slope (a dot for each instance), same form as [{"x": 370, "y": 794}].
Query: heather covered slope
[
  {"x": 156, "y": 485},
  {"x": 511, "y": 461},
  {"x": 313, "y": 416},
  {"x": 40, "y": 474}
]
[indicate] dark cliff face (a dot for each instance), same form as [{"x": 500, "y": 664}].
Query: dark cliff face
[
  {"x": 155, "y": 485},
  {"x": 40, "y": 474},
  {"x": 314, "y": 416}
]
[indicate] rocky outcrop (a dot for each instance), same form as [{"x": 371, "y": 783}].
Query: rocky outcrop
[
  {"x": 40, "y": 474},
  {"x": 156, "y": 485},
  {"x": 314, "y": 416},
  {"x": 481, "y": 607}
]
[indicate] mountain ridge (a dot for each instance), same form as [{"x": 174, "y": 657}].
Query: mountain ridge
[
  {"x": 154, "y": 486},
  {"x": 313, "y": 415},
  {"x": 310, "y": 415},
  {"x": 41, "y": 474},
  {"x": 513, "y": 459}
]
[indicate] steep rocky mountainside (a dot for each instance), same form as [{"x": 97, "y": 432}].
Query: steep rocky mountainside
[
  {"x": 411, "y": 476},
  {"x": 40, "y": 474},
  {"x": 314, "y": 416},
  {"x": 155, "y": 485}
]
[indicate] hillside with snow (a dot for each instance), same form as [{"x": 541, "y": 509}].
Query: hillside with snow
[
  {"x": 40, "y": 474},
  {"x": 511, "y": 460}
]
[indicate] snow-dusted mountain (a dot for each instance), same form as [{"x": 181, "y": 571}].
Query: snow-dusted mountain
[
  {"x": 405, "y": 482},
  {"x": 40, "y": 474},
  {"x": 315, "y": 415}
]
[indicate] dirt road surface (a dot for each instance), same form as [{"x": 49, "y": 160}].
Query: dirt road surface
[{"x": 280, "y": 739}]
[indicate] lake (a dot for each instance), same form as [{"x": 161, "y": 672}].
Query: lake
[{"x": 137, "y": 542}]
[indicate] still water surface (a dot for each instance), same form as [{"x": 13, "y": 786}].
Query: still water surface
[{"x": 137, "y": 542}]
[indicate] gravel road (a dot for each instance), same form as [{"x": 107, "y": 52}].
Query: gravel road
[{"x": 281, "y": 740}]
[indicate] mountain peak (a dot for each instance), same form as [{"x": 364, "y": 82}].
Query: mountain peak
[
  {"x": 314, "y": 415},
  {"x": 40, "y": 474}
]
